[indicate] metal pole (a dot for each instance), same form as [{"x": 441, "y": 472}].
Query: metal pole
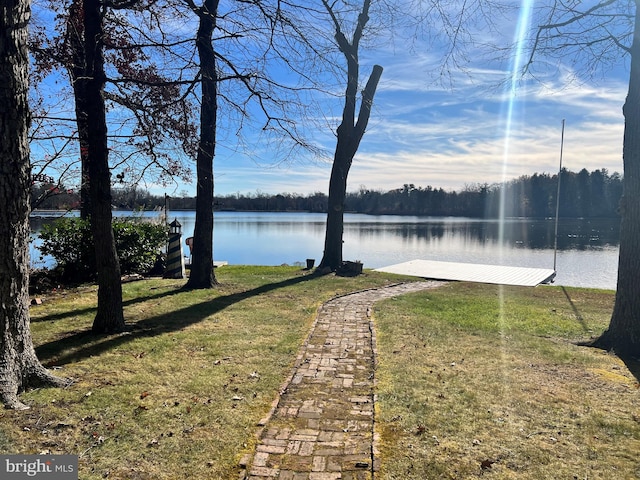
[
  {"x": 555, "y": 245},
  {"x": 166, "y": 211}
]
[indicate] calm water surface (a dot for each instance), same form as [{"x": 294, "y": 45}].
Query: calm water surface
[{"x": 587, "y": 249}]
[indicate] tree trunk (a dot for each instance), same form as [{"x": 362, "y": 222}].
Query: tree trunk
[
  {"x": 75, "y": 38},
  {"x": 19, "y": 366},
  {"x": 349, "y": 134},
  {"x": 623, "y": 333},
  {"x": 349, "y": 137},
  {"x": 109, "y": 317},
  {"x": 202, "y": 274}
]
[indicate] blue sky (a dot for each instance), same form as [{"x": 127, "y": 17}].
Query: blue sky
[
  {"x": 473, "y": 127},
  {"x": 480, "y": 127},
  {"x": 424, "y": 133},
  {"x": 454, "y": 138}
]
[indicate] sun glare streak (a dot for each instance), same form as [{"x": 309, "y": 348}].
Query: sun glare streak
[{"x": 515, "y": 71}]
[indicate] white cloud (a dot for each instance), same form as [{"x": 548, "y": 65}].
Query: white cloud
[
  {"x": 448, "y": 135},
  {"x": 455, "y": 145}
]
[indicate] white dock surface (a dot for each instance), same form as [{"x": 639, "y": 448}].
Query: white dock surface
[{"x": 472, "y": 272}]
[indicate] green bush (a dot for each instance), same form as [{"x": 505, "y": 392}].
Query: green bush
[{"x": 70, "y": 243}]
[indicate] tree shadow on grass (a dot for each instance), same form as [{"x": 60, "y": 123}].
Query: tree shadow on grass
[
  {"x": 633, "y": 364},
  {"x": 85, "y": 344},
  {"x": 576, "y": 312},
  {"x": 92, "y": 309}
]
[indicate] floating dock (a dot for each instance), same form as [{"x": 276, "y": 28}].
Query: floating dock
[{"x": 473, "y": 272}]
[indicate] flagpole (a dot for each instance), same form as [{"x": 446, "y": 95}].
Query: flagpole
[{"x": 555, "y": 245}]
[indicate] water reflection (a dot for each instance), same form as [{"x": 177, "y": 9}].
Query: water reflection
[{"x": 572, "y": 233}]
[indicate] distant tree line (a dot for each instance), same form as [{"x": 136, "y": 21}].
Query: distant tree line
[{"x": 582, "y": 194}]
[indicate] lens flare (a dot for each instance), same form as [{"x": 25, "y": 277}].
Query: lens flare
[
  {"x": 521, "y": 36},
  {"x": 515, "y": 73}
]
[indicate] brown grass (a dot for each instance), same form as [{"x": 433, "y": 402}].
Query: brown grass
[
  {"x": 485, "y": 381},
  {"x": 473, "y": 380},
  {"x": 180, "y": 395}
]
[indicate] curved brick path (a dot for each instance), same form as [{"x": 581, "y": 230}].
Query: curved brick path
[{"x": 322, "y": 425}]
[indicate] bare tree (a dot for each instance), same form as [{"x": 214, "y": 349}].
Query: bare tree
[
  {"x": 19, "y": 366},
  {"x": 349, "y": 132},
  {"x": 236, "y": 50},
  {"x": 202, "y": 274},
  {"x": 623, "y": 334},
  {"x": 109, "y": 316},
  {"x": 450, "y": 26},
  {"x": 593, "y": 36}
]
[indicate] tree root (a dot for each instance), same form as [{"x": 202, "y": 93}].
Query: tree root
[{"x": 39, "y": 377}]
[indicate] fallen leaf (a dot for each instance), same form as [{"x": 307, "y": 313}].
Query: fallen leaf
[
  {"x": 144, "y": 395},
  {"x": 486, "y": 464}
]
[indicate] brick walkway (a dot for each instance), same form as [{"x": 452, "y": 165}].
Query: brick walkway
[{"x": 322, "y": 426}]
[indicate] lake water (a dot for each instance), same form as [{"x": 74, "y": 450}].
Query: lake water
[{"x": 587, "y": 249}]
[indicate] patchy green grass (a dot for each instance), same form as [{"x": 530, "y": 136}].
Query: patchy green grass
[
  {"x": 180, "y": 395},
  {"x": 487, "y": 381},
  {"x": 473, "y": 380}
]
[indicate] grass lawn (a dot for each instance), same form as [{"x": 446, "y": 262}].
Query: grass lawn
[
  {"x": 473, "y": 380},
  {"x": 180, "y": 395},
  {"x": 487, "y": 381}
]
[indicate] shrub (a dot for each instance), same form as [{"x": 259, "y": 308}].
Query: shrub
[{"x": 70, "y": 243}]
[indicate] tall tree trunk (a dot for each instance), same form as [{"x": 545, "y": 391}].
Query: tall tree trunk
[
  {"x": 202, "y": 274},
  {"x": 109, "y": 317},
  {"x": 349, "y": 137},
  {"x": 74, "y": 37},
  {"x": 623, "y": 334},
  {"x": 349, "y": 133},
  {"x": 19, "y": 366}
]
